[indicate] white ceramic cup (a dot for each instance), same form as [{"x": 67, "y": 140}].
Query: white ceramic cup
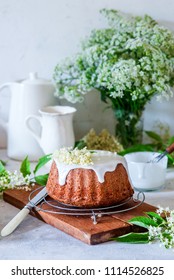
[{"x": 145, "y": 175}]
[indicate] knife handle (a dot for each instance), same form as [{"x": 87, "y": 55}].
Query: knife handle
[
  {"x": 170, "y": 149},
  {"x": 12, "y": 225}
]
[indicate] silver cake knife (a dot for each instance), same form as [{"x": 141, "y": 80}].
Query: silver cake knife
[{"x": 12, "y": 225}]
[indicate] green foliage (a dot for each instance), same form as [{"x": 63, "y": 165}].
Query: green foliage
[
  {"x": 80, "y": 144},
  {"x": 11, "y": 180},
  {"x": 155, "y": 136},
  {"x": 143, "y": 222},
  {"x": 133, "y": 237},
  {"x": 2, "y": 168},
  {"x": 158, "y": 228},
  {"x": 25, "y": 167},
  {"x": 41, "y": 179},
  {"x": 41, "y": 162},
  {"x": 137, "y": 148},
  {"x": 159, "y": 220},
  {"x": 2, "y": 162}
]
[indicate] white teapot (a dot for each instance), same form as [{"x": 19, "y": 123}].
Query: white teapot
[
  {"x": 27, "y": 97},
  {"x": 56, "y": 123}
]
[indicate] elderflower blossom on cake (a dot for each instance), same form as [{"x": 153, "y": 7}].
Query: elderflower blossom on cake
[{"x": 73, "y": 156}]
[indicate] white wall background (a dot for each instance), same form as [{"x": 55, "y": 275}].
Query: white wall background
[{"x": 36, "y": 34}]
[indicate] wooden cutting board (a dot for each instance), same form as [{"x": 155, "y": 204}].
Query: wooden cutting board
[{"x": 82, "y": 227}]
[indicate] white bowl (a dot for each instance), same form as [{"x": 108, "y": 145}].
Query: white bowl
[{"x": 145, "y": 175}]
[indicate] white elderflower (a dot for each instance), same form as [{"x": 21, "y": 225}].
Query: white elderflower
[
  {"x": 12, "y": 180},
  {"x": 138, "y": 50},
  {"x": 154, "y": 231},
  {"x": 160, "y": 210},
  {"x": 73, "y": 156},
  {"x": 165, "y": 230},
  {"x": 128, "y": 62}
]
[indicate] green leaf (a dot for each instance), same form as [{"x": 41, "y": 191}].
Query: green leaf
[
  {"x": 103, "y": 96},
  {"x": 159, "y": 220},
  {"x": 142, "y": 221},
  {"x": 134, "y": 237},
  {"x": 41, "y": 179},
  {"x": 2, "y": 168},
  {"x": 41, "y": 162},
  {"x": 154, "y": 136},
  {"x": 170, "y": 141},
  {"x": 25, "y": 167},
  {"x": 80, "y": 144},
  {"x": 137, "y": 148},
  {"x": 3, "y": 162},
  {"x": 170, "y": 160}
]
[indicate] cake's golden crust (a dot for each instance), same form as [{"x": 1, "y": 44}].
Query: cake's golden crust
[{"x": 83, "y": 189}]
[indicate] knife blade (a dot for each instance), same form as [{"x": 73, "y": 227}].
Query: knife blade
[{"x": 13, "y": 224}]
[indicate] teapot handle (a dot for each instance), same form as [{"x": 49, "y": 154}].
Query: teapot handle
[
  {"x": 5, "y": 85},
  {"x": 28, "y": 125}
]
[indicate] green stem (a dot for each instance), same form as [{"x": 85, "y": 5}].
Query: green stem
[{"x": 128, "y": 115}]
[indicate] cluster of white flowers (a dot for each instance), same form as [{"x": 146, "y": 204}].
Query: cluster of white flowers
[
  {"x": 120, "y": 77},
  {"x": 132, "y": 60},
  {"x": 164, "y": 232},
  {"x": 128, "y": 62},
  {"x": 103, "y": 141},
  {"x": 12, "y": 180},
  {"x": 69, "y": 155}
]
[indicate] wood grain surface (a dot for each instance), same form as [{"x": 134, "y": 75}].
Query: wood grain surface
[{"x": 82, "y": 227}]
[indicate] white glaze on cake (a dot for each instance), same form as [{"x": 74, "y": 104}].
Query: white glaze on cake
[{"x": 103, "y": 162}]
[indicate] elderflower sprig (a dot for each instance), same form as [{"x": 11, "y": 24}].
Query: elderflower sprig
[
  {"x": 23, "y": 178},
  {"x": 69, "y": 155},
  {"x": 12, "y": 180},
  {"x": 164, "y": 232},
  {"x": 159, "y": 225}
]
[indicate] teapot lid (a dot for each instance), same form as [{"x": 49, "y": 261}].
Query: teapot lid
[{"x": 35, "y": 80}]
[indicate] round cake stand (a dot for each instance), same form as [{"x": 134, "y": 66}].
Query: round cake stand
[{"x": 55, "y": 207}]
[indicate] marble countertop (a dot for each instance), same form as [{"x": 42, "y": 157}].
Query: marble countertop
[{"x": 34, "y": 239}]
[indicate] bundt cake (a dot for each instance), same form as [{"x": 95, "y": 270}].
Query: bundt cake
[{"x": 88, "y": 178}]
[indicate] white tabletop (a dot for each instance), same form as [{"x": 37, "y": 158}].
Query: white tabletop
[{"x": 34, "y": 239}]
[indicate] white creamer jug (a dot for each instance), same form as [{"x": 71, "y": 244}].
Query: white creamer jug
[
  {"x": 146, "y": 175},
  {"x": 27, "y": 97},
  {"x": 56, "y": 124}
]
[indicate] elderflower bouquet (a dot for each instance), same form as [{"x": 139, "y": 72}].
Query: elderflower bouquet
[
  {"x": 159, "y": 226},
  {"x": 24, "y": 178},
  {"x": 128, "y": 62}
]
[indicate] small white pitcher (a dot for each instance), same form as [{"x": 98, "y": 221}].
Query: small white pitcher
[
  {"x": 56, "y": 127},
  {"x": 146, "y": 175}
]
